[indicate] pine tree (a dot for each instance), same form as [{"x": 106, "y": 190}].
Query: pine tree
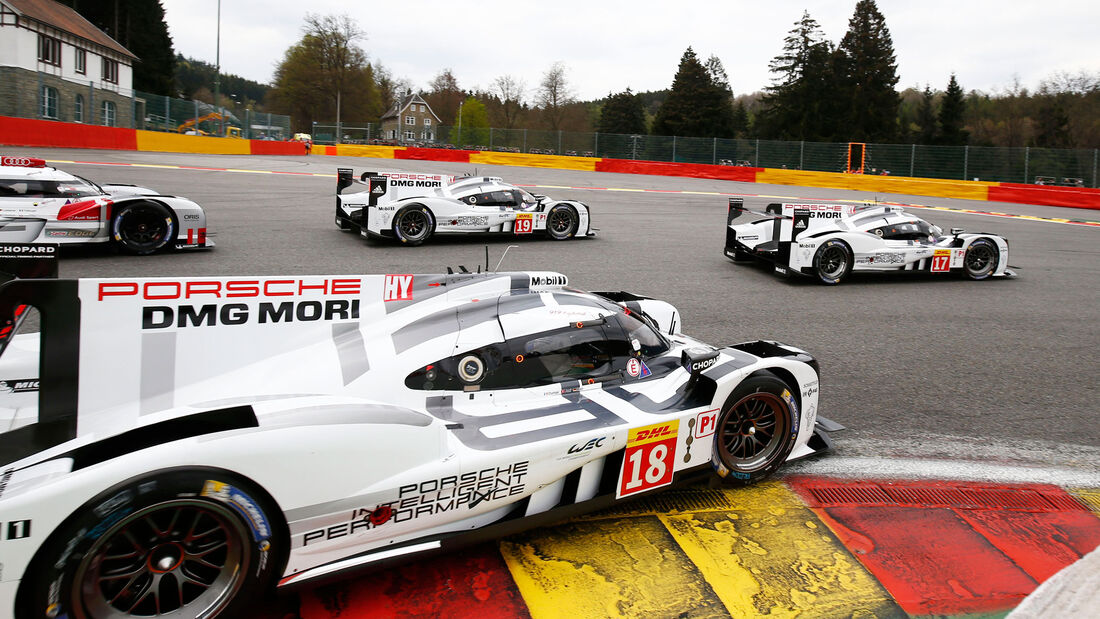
[
  {"x": 696, "y": 106},
  {"x": 868, "y": 74},
  {"x": 926, "y": 116},
  {"x": 740, "y": 120},
  {"x": 139, "y": 26},
  {"x": 799, "y": 105},
  {"x": 951, "y": 115},
  {"x": 622, "y": 113}
]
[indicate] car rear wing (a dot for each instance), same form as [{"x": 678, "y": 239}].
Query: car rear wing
[
  {"x": 391, "y": 186},
  {"x": 792, "y": 219}
]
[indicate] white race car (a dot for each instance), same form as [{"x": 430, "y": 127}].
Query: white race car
[
  {"x": 44, "y": 204},
  {"x": 410, "y": 207},
  {"x": 828, "y": 241},
  {"x": 271, "y": 430}
]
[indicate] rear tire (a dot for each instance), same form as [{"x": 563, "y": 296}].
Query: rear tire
[
  {"x": 832, "y": 262},
  {"x": 413, "y": 225},
  {"x": 185, "y": 543},
  {"x": 142, "y": 228},
  {"x": 981, "y": 260},
  {"x": 757, "y": 429}
]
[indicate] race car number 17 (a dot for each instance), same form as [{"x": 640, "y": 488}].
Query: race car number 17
[
  {"x": 649, "y": 458},
  {"x": 525, "y": 223}
]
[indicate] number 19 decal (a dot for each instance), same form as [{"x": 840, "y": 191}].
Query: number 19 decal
[
  {"x": 525, "y": 223},
  {"x": 649, "y": 458}
]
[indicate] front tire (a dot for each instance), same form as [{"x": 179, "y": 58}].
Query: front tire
[
  {"x": 186, "y": 543},
  {"x": 981, "y": 260},
  {"x": 413, "y": 225},
  {"x": 561, "y": 222},
  {"x": 832, "y": 262},
  {"x": 757, "y": 429},
  {"x": 143, "y": 228}
]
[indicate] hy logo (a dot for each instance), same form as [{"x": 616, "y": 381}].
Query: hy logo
[{"x": 397, "y": 288}]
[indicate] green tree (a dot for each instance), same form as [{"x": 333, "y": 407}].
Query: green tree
[
  {"x": 801, "y": 104},
  {"x": 326, "y": 76},
  {"x": 696, "y": 106},
  {"x": 926, "y": 116},
  {"x": 474, "y": 123},
  {"x": 867, "y": 76},
  {"x": 444, "y": 95},
  {"x": 139, "y": 26},
  {"x": 741, "y": 127},
  {"x": 952, "y": 110},
  {"x": 622, "y": 113}
]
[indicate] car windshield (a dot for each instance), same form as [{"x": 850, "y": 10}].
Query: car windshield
[
  {"x": 36, "y": 188},
  {"x": 651, "y": 343},
  {"x": 526, "y": 200}
]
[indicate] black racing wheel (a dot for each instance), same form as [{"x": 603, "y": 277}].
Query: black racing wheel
[
  {"x": 180, "y": 543},
  {"x": 756, "y": 429},
  {"x": 413, "y": 225},
  {"x": 982, "y": 259},
  {"x": 561, "y": 222},
  {"x": 832, "y": 262},
  {"x": 143, "y": 227}
]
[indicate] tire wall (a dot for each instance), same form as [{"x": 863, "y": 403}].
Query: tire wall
[{"x": 44, "y": 133}]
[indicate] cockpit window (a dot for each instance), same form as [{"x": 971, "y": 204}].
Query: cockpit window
[
  {"x": 525, "y": 200},
  {"x": 650, "y": 342},
  {"x": 35, "y": 188},
  {"x": 493, "y": 198},
  {"x": 915, "y": 230}
]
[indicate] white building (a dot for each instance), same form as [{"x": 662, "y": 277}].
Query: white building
[{"x": 55, "y": 65}]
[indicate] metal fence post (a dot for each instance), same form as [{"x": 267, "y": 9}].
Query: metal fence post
[
  {"x": 167, "y": 113},
  {"x": 559, "y": 141},
  {"x": 1094, "y": 152},
  {"x": 801, "y": 151},
  {"x": 596, "y": 145},
  {"x": 525, "y": 140},
  {"x": 490, "y": 138},
  {"x": 673, "y": 149},
  {"x": 714, "y": 153},
  {"x": 912, "y": 160},
  {"x": 756, "y": 158},
  {"x": 966, "y": 160},
  {"x": 1027, "y": 161},
  {"x": 196, "y": 116}
]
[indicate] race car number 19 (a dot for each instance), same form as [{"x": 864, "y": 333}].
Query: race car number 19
[
  {"x": 525, "y": 223},
  {"x": 649, "y": 458}
]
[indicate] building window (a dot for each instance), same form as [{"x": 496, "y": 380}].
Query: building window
[
  {"x": 81, "y": 61},
  {"x": 410, "y": 120},
  {"x": 78, "y": 109},
  {"x": 49, "y": 102},
  {"x": 49, "y": 50},
  {"x": 427, "y": 122},
  {"x": 427, "y": 136},
  {"x": 108, "y": 112},
  {"x": 409, "y": 135},
  {"x": 110, "y": 70}
]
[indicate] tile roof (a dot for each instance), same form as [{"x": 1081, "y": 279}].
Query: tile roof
[{"x": 64, "y": 18}]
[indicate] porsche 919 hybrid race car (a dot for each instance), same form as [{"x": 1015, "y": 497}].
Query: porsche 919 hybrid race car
[
  {"x": 831, "y": 240},
  {"x": 410, "y": 207},
  {"x": 44, "y": 204},
  {"x": 277, "y": 429}
]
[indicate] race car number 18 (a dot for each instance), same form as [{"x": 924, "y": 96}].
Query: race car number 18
[
  {"x": 649, "y": 458},
  {"x": 525, "y": 223}
]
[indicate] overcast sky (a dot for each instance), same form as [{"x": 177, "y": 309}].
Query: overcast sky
[{"x": 609, "y": 45}]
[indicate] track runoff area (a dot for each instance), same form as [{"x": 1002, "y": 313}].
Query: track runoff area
[{"x": 827, "y": 539}]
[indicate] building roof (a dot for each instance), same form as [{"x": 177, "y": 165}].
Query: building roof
[
  {"x": 404, "y": 102},
  {"x": 64, "y": 18}
]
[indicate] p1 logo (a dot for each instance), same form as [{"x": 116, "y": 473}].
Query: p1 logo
[
  {"x": 649, "y": 458},
  {"x": 706, "y": 423},
  {"x": 525, "y": 223}
]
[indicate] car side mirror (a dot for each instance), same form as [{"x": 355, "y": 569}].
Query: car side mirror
[{"x": 956, "y": 230}]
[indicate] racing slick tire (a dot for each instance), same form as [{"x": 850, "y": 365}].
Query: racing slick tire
[
  {"x": 143, "y": 228},
  {"x": 562, "y": 222},
  {"x": 756, "y": 430},
  {"x": 832, "y": 262},
  {"x": 413, "y": 225},
  {"x": 981, "y": 260},
  {"x": 184, "y": 542}
]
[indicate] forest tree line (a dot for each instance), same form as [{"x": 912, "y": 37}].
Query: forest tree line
[{"x": 821, "y": 91}]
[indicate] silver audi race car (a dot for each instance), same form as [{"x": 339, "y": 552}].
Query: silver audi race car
[
  {"x": 411, "y": 207},
  {"x": 267, "y": 431},
  {"x": 39, "y": 203},
  {"x": 829, "y": 241}
]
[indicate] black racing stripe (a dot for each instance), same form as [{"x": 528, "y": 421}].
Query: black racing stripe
[
  {"x": 190, "y": 426},
  {"x": 609, "y": 477},
  {"x": 569, "y": 492}
]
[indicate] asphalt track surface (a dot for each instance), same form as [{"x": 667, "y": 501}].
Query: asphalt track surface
[{"x": 958, "y": 377}]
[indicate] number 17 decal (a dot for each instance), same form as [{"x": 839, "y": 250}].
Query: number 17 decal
[{"x": 649, "y": 458}]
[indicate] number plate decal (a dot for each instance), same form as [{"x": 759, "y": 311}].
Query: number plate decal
[{"x": 649, "y": 458}]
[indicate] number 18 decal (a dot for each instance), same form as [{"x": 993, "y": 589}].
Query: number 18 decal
[
  {"x": 649, "y": 458},
  {"x": 525, "y": 224}
]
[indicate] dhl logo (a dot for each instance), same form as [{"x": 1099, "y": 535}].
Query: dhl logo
[{"x": 653, "y": 433}]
